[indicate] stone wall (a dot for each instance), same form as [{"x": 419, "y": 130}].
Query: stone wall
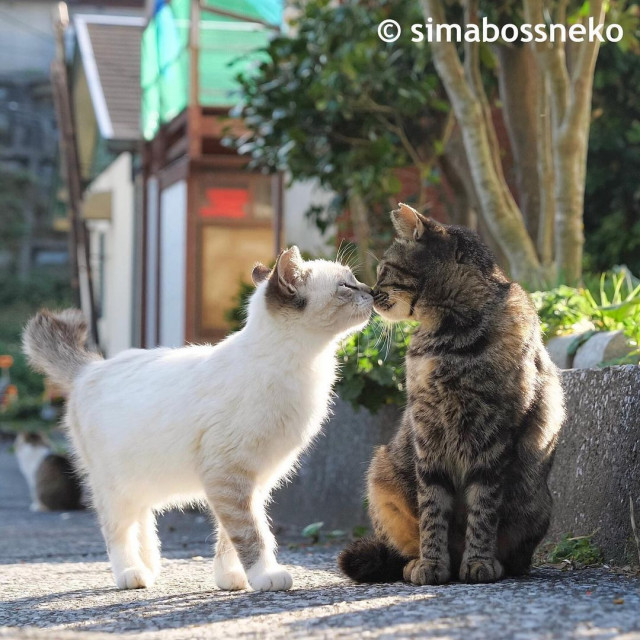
[
  {"x": 597, "y": 464},
  {"x": 329, "y": 486}
]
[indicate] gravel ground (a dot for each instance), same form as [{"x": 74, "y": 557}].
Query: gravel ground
[{"x": 55, "y": 583}]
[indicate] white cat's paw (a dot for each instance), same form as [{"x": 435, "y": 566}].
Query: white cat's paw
[
  {"x": 154, "y": 565},
  {"x": 36, "y": 506},
  {"x": 134, "y": 578},
  {"x": 230, "y": 580},
  {"x": 275, "y": 579}
]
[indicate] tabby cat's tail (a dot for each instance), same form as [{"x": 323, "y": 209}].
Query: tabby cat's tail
[
  {"x": 372, "y": 560},
  {"x": 54, "y": 344}
]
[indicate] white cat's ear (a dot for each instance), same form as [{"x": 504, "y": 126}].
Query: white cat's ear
[
  {"x": 260, "y": 273},
  {"x": 411, "y": 225},
  {"x": 288, "y": 270}
]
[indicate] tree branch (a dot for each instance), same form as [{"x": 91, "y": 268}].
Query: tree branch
[
  {"x": 474, "y": 78},
  {"x": 545, "y": 175},
  {"x": 582, "y": 75},
  {"x": 552, "y": 60}
]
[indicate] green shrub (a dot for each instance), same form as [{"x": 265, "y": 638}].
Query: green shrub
[
  {"x": 372, "y": 365},
  {"x": 372, "y": 361},
  {"x": 609, "y": 303},
  {"x": 18, "y": 301},
  {"x": 236, "y": 316},
  {"x": 579, "y": 550}
]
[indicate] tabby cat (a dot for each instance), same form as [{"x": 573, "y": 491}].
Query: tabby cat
[{"x": 461, "y": 490}]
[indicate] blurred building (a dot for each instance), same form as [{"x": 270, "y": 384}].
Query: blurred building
[
  {"x": 105, "y": 96},
  {"x": 28, "y": 133},
  {"x": 175, "y": 221},
  {"x": 206, "y": 218}
]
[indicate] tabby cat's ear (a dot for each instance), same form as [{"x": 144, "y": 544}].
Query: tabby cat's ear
[
  {"x": 410, "y": 224},
  {"x": 260, "y": 273},
  {"x": 288, "y": 270}
]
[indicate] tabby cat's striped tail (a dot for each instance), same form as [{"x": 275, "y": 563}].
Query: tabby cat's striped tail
[{"x": 372, "y": 560}]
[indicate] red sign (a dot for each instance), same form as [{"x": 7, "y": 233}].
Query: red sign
[{"x": 225, "y": 203}]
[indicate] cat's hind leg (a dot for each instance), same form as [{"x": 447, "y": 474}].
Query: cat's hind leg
[
  {"x": 523, "y": 526},
  {"x": 239, "y": 506},
  {"x": 120, "y": 523},
  {"x": 228, "y": 572},
  {"x": 149, "y": 542}
]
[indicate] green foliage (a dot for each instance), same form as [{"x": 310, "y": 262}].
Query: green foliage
[
  {"x": 562, "y": 310},
  {"x": 332, "y": 102},
  {"x": 579, "y": 550},
  {"x": 312, "y": 531},
  {"x": 236, "y": 316},
  {"x": 19, "y": 301},
  {"x": 360, "y": 531},
  {"x": 612, "y": 303},
  {"x": 13, "y": 187},
  {"x": 372, "y": 365}
]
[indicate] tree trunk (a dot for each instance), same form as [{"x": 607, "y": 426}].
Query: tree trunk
[
  {"x": 570, "y": 98},
  {"x": 499, "y": 209},
  {"x": 362, "y": 233},
  {"x": 518, "y": 84}
]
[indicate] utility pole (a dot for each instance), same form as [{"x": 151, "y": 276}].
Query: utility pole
[{"x": 80, "y": 251}]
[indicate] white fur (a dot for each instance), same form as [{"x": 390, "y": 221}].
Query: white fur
[
  {"x": 30, "y": 457},
  {"x": 162, "y": 427}
]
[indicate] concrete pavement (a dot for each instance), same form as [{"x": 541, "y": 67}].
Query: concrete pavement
[{"x": 55, "y": 583}]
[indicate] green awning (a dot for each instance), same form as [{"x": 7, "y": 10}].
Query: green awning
[{"x": 227, "y": 46}]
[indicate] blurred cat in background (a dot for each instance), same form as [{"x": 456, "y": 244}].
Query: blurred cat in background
[{"x": 52, "y": 481}]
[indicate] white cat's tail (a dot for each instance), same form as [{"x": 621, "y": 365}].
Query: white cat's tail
[{"x": 54, "y": 344}]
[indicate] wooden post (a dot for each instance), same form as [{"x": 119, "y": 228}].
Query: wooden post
[{"x": 69, "y": 152}]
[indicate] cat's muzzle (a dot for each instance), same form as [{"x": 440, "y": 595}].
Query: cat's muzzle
[{"x": 381, "y": 300}]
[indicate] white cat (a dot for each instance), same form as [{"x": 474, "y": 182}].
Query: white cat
[{"x": 161, "y": 427}]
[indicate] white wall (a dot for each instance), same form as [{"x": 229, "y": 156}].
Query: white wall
[
  {"x": 116, "y": 324},
  {"x": 173, "y": 260},
  {"x": 298, "y": 229},
  {"x": 151, "y": 267}
]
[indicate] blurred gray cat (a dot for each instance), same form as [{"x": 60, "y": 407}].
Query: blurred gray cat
[{"x": 51, "y": 477}]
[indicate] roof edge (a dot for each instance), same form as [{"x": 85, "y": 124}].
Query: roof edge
[{"x": 93, "y": 77}]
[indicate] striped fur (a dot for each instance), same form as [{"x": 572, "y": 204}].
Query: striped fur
[{"x": 461, "y": 490}]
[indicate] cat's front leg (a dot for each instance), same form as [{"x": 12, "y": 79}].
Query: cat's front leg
[
  {"x": 240, "y": 509},
  {"x": 228, "y": 572},
  {"x": 435, "y": 499},
  {"x": 483, "y": 496}
]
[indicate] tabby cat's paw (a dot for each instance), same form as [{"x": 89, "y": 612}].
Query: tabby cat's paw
[
  {"x": 480, "y": 570},
  {"x": 426, "y": 572}
]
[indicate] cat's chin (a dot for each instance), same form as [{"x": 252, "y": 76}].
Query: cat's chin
[{"x": 390, "y": 313}]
